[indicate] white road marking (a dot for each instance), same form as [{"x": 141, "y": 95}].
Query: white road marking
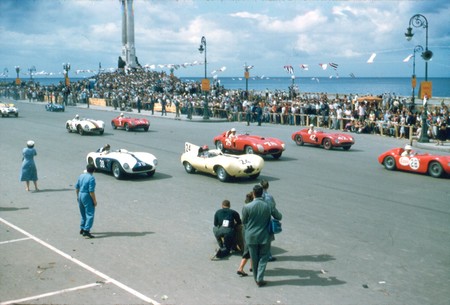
[
  {"x": 14, "y": 240},
  {"x": 49, "y": 294},
  {"x": 83, "y": 265}
]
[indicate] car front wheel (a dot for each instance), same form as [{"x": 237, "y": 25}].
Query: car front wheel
[
  {"x": 222, "y": 174},
  {"x": 117, "y": 170},
  {"x": 113, "y": 125},
  {"x": 389, "y": 163},
  {"x": 327, "y": 144},
  {"x": 80, "y": 130},
  {"x": 435, "y": 169}
]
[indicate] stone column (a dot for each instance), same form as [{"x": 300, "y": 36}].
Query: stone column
[{"x": 131, "y": 58}]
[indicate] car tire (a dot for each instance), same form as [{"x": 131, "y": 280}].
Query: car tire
[
  {"x": 389, "y": 163},
  {"x": 80, "y": 130},
  {"x": 102, "y": 131},
  {"x": 68, "y": 128},
  {"x": 346, "y": 147},
  {"x": 277, "y": 156},
  {"x": 222, "y": 174},
  {"x": 113, "y": 125},
  {"x": 127, "y": 127},
  {"x": 146, "y": 128},
  {"x": 117, "y": 170},
  {"x": 150, "y": 174},
  {"x": 327, "y": 144},
  {"x": 299, "y": 140},
  {"x": 91, "y": 161},
  {"x": 219, "y": 146},
  {"x": 435, "y": 169},
  {"x": 188, "y": 167},
  {"x": 249, "y": 150}
]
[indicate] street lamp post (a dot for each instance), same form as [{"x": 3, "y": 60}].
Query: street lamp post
[
  {"x": 32, "y": 70},
  {"x": 417, "y": 48},
  {"x": 66, "y": 67},
  {"x": 17, "y": 78},
  {"x": 420, "y": 21},
  {"x": 205, "y": 82}
]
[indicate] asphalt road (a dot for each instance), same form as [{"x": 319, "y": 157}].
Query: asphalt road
[{"x": 353, "y": 232}]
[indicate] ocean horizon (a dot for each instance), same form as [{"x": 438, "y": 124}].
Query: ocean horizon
[{"x": 400, "y": 86}]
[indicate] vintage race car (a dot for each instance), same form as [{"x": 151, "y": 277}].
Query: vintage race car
[
  {"x": 8, "y": 110},
  {"x": 84, "y": 126},
  {"x": 55, "y": 107},
  {"x": 320, "y": 138},
  {"x": 122, "y": 162},
  {"x": 224, "y": 166},
  {"x": 435, "y": 165},
  {"x": 250, "y": 144},
  {"x": 129, "y": 123}
]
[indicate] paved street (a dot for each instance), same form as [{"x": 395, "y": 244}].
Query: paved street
[{"x": 353, "y": 232}]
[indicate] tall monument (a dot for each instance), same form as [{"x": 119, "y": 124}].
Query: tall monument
[{"x": 128, "y": 58}]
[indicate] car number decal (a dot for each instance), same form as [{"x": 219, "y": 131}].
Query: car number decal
[
  {"x": 102, "y": 163},
  {"x": 413, "y": 163}
]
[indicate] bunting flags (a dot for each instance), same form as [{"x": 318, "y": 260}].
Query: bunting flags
[
  {"x": 324, "y": 66},
  {"x": 304, "y": 67},
  {"x": 352, "y": 75},
  {"x": 372, "y": 57},
  {"x": 333, "y": 65},
  {"x": 289, "y": 69}
]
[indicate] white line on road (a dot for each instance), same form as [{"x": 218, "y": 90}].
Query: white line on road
[
  {"x": 83, "y": 265},
  {"x": 14, "y": 240}
]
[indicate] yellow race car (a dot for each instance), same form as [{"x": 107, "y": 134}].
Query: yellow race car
[{"x": 224, "y": 166}]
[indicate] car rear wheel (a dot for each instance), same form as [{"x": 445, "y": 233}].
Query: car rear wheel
[
  {"x": 117, "y": 170},
  {"x": 435, "y": 169},
  {"x": 222, "y": 174},
  {"x": 219, "y": 145},
  {"x": 327, "y": 144},
  {"x": 299, "y": 140},
  {"x": 389, "y": 163},
  {"x": 80, "y": 130},
  {"x": 249, "y": 150},
  {"x": 188, "y": 167}
]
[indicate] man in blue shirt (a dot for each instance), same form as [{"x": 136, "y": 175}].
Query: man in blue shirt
[{"x": 85, "y": 189}]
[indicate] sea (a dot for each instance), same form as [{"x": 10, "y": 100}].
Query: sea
[{"x": 400, "y": 86}]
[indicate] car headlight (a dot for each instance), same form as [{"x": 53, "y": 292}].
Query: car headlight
[
  {"x": 86, "y": 127},
  {"x": 260, "y": 148},
  {"x": 283, "y": 146},
  {"x": 155, "y": 162},
  {"x": 337, "y": 141},
  {"x": 126, "y": 166}
]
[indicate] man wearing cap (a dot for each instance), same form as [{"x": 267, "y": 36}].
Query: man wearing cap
[
  {"x": 85, "y": 189},
  {"x": 408, "y": 152},
  {"x": 231, "y": 137}
]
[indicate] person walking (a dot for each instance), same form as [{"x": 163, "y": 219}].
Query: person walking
[
  {"x": 29, "y": 172},
  {"x": 256, "y": 217},
  {"x": 87, "y": 201},
  {"x": 267, "y": 197}
]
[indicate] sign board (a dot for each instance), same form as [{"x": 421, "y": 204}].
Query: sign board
[
  {"x": 205, "y": 84},
  {"x": 247, "y": 74},
  {"x": 413, "y": 82},
  {"x": 18, "y": 81},
  {"x": 425, "y": 88},
  {"x": 67, "y": 81}
]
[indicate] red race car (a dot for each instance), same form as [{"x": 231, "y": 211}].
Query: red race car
[
  {"x": 129, "y": 123},
  {"x": 249, "y": 144},
  {"x": 327, "y": 140},
  {"x": 436, "y": 166}
]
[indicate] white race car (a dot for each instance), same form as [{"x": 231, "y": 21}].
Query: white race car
[
  {"x": 8, "y": 109},
  {"x": 84, "y": 126},
  {"x": 224, "y": 166},
  {"x": 122, "y": 162}
]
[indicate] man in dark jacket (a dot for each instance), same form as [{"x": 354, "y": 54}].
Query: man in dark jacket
[{"x": 225, "y": 222}]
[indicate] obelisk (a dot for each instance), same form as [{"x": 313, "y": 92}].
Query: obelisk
[{"x": 128, "y": 58}]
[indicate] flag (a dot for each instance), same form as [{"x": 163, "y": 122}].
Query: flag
[
  {"x": 304, "y": 67},
  {"x": 332, "y": 64},
  {"x": 372, "y": 57},
  {"x": 352, "y": 75},
  {"x": 289, "y": 69},
  {"x": 407, "y": 58},
  {"x": 324, "y": 66}
]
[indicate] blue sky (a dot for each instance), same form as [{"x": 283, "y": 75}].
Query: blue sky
[{"x": 266, "y": 34}]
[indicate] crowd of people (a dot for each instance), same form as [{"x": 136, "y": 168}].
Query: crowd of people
[{"x": 390, "y": 115}]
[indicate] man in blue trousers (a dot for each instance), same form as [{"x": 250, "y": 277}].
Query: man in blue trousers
[{"x": 85, "y": 188}]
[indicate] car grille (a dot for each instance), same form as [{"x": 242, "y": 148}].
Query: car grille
[
  {"x": 142, "y": 168},
  {"x": 249, "y": 170},
  {"x": 273, "y": 151}
]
